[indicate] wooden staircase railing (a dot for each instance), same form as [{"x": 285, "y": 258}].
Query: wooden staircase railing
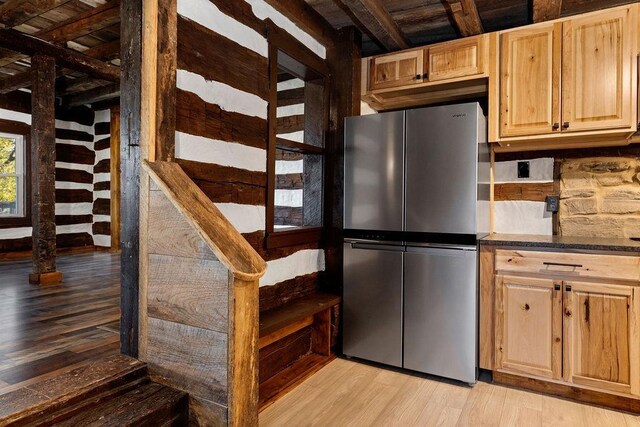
[{"x": 198, "y": 301}]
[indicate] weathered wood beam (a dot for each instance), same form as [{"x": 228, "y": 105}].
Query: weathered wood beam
[
  {"x": 165, "y": 130},
  {"x": 16, "y": 12},
  {"x": 308, "y": 19},
  {"x": 379, "y": 23},
  {"x": 464, "y": 14},
  {"x": 29, "y": 45},
  {"x": 546, "y": 10},
  {"x": 90, "y": 96},
  {"x": 43, "y": 170},
  {"x": 15, "y": 82},
  {"x": 130, "y": 128}
]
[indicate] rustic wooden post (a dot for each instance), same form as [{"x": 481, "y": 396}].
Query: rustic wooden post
[{"x": 43, "y": 169}]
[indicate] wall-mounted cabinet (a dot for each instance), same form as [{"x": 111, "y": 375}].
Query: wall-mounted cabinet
[
  {"x": 397, "y": 69},
  {"x": 567, "y": 79},
  {"x": 455, "y": 59}
]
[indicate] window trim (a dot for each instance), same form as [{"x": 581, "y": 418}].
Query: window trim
[
  {"x": 306, "y": 66},
  {"x": 23, "y": 130}
]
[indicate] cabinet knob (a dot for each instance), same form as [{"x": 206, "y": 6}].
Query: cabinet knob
[
  {"x": 565, "y": 125},
  {"x": 556, "y": 126},
  {"x": 556, "y": 287},
  {"x": 418, "y": 76},
  {"x": 425, "y": 76}
]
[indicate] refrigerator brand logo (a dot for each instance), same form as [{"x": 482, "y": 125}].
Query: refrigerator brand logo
[{"x": 459, "y": 115}]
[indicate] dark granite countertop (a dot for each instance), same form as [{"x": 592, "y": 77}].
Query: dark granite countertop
[{"x": 563, "y": 242}]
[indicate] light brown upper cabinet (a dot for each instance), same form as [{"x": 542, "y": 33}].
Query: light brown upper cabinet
[
  {"x": 601, "y": 337},
  {"x": 597, "y": 64},
  {"x": 530, "y": 81},
  {"x": 568, "y": 76},
  {"x": 397, "y": 69},
  {"x": 459, "y": 58},
  {"x": 529, "y": 326}
]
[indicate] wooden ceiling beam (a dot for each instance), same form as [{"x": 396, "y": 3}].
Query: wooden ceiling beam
[
  {"x": 15, "y": 82},
  {"x": 379, "y": 23},
  {"x": 546, "y": 10},
  {"x": 99, "y": 94},
  {"x": 16, "y": 12},
  {"x": 464, "y": 14},
  {"x": 308, "y": 19},
  {"x": 29, "y": 45}
]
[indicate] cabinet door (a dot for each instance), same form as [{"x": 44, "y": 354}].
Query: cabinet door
[
  {"x": 459, "y": 58},
  {"x": 597, "y": 71},
  {"x": 398, "y": 69},
  {"x": 601, "y": 336},
  {"x": 529, "y": 326},
  {"x": 530, "y": 81}
]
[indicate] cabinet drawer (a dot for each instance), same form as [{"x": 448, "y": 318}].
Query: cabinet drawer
[{"x": 562, "y": 265}]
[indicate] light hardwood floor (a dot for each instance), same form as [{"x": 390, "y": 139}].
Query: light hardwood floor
[{"x": 347, "y": 393}]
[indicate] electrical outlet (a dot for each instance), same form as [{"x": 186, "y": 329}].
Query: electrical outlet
[
  {"x": 553, "y": 203},
  {"x": 523, "y": 170}
]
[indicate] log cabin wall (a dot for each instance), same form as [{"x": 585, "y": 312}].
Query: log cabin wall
[
  {"x": 221, "y": 127},
  {"x": 75, "y": 162},
  {"x": 599, "y": 190},
  {"x": 102, "y": 179}
]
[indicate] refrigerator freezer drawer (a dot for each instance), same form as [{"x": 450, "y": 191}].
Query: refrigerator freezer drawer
[
  {"x": 372, "y": 303},
  {"x": 440, "y": 312}
]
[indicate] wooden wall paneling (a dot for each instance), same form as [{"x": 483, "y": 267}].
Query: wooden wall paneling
[
  {"x": 114, "y": 188},
  {"x": 130, "y": 114},
  {"x": 43, "y": 155},
  {"x": 166, "y": 79}
]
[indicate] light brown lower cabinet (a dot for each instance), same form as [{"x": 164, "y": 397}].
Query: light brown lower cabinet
[{"x": 582, "y": 333}]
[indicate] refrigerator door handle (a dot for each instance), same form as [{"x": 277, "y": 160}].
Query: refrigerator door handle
[
  {"x": 377, "y": 247},
  {"x": 454, "y": 251}
]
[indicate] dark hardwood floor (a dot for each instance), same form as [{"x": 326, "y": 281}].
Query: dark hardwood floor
[{"x": 46, "y": 331}]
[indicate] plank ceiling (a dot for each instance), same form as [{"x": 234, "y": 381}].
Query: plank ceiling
[
  {"x": 88, "y": 26},
  {"x": 428, "y": 21}
]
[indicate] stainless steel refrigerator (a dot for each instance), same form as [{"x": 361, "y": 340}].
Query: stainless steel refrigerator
[{"x": 416, "y": 200}]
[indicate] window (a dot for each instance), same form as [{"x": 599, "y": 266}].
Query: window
[
  {"x": 299, "y": 117},
  {"x": 13, "y": 165}
]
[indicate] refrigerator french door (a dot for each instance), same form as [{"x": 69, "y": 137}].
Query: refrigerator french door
[
  {"x": 440, "y": 311},
  {"x": 372, "y": 304}
]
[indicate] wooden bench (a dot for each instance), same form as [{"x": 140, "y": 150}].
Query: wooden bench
[{"x": 311, "y": 311}]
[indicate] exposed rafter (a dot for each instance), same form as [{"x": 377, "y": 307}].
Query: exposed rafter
[
  {"x": 306, "y": 17},
  {"x": 29, "y": 45},
  {"x": 546, "y": 10},
  {"x": 15, "y": 82},
  {"x": 98, "y": 94},
  {"x": 16, "y": 12},
  {"x": 464, "y": 14},
  {"x": 379, "y": 23}
]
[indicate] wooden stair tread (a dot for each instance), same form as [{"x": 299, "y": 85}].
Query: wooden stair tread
[
  {"x": 69, "y": 387},
  {"x": 294, "y": 311}
]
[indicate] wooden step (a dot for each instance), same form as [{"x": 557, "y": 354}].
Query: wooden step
[{"x": 113, "y": 391}]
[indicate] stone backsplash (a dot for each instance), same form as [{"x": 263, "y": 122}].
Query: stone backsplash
[{"x": 600, "y": 197}]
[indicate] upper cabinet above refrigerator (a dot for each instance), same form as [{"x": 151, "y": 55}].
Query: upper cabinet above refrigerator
[{"x": 374, "y": 163}]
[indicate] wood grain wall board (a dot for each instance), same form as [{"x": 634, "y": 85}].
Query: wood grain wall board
[
  {"x": 288, "y": 215},
  {"x": 102, "y": 228},
  {"x": 64, "y": 195},
  {"x": 288, "y": 155},
  {"x": 243, "y": 13},
  {"x": 289, "y": 290},
  {"x": 283, "y": 353},
  {"x": 101, "y": 207},
  {"x": 103, "y": 166},
  {"x": 73, "y": 219},
  {"x": 290, "y": 97},
  {"x": 102, "y": 128},
  {"x": 221, "y": 59},
  {"x": 75, "y": 135},
  {"x": 201, "y": 409},
  {"x": 535, "y": 192},
  {"x": 74, "y": 240},
  {"x": 75, "y": 154},
  {"x": 102, "y": 144},
  {"x": 225, "y": 192},
  {"x": 165, "y": 133},
  {"x": 290, "y": 124},
  {"x": 289, "y": 181},
  {"x": 170, "y": 234},
  {"x": 199, "y": 171},
  {"x": 194, "y": 358},
  {"x": 188, "y": 291},
  {"x": 73, "y": 175},
  {"x": 102, "y": 186},
  {"x": 197, "y": 117},
  {"x": 16, "y": 245}
]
